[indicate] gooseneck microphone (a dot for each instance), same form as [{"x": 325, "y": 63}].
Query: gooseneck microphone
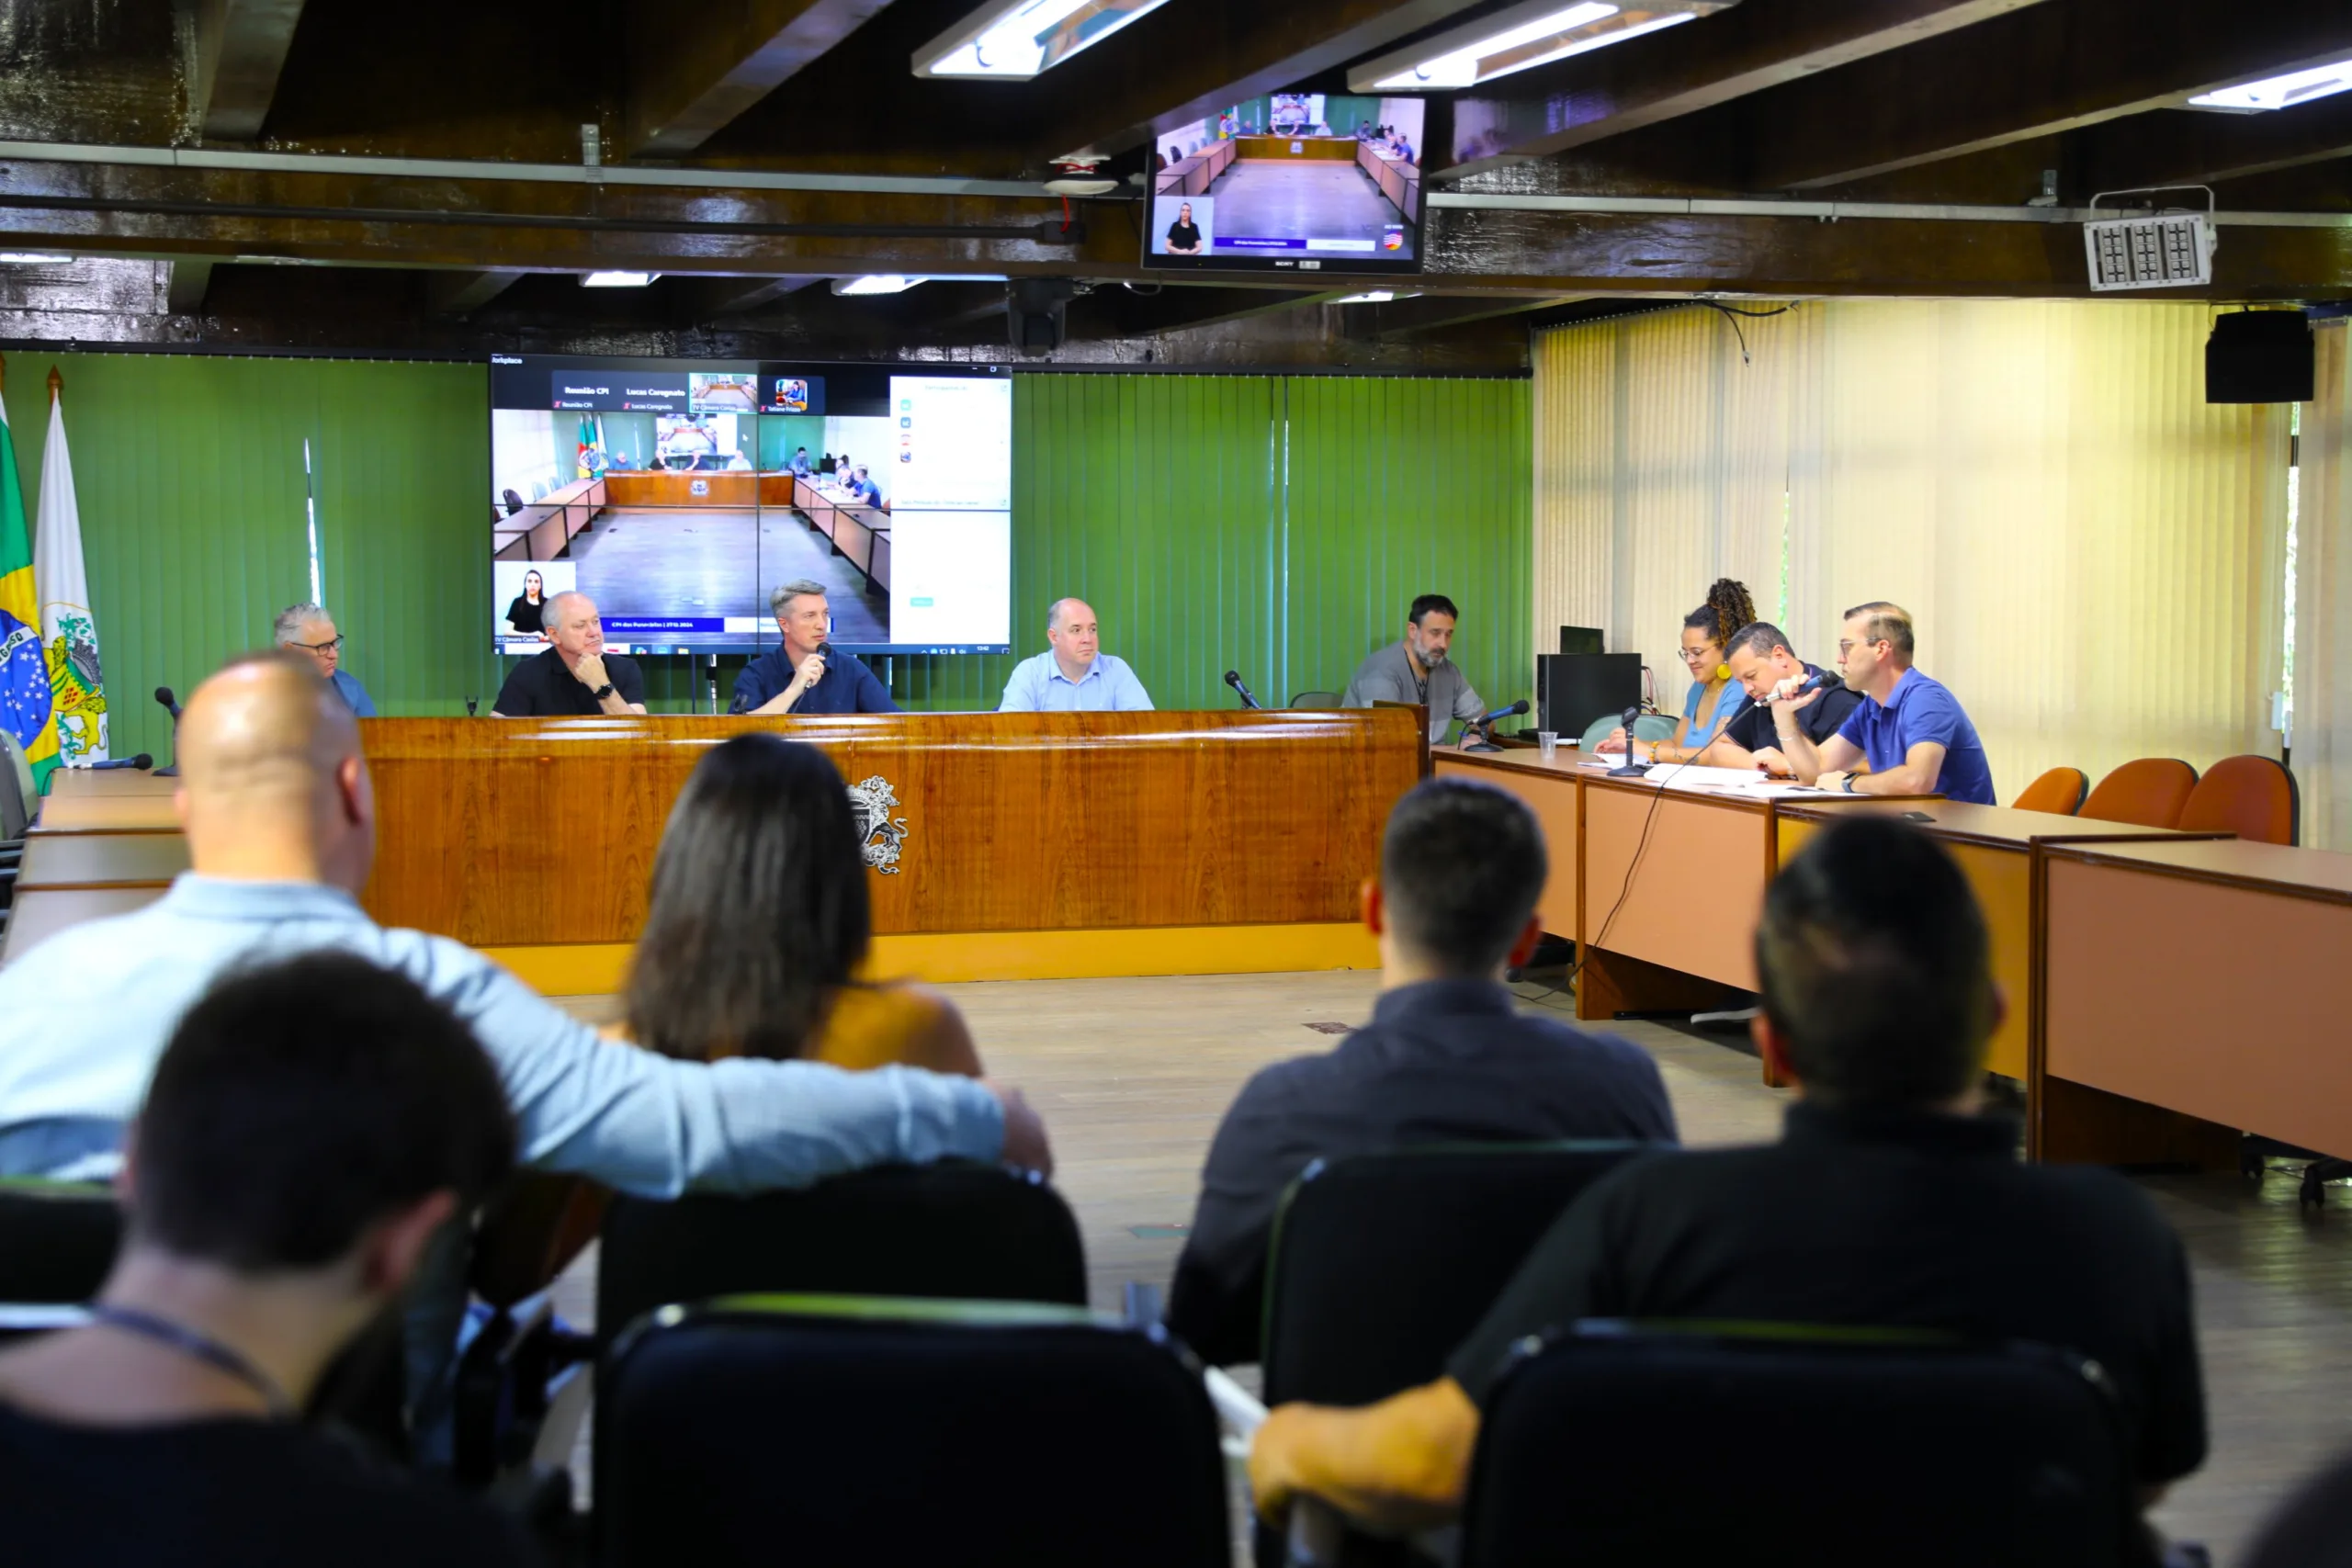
[
  {"x": 172, "y": 706},
  {"x": 142, "y": 762},
  {"x": 1233, "y": 679},
  {"x": 1518, "y": 706},
  {"x": 170, "y": 703}
]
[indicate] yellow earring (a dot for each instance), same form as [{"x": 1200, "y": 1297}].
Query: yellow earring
[{"x": 1723, "y": 671}]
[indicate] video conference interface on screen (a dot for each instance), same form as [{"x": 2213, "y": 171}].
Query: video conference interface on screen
[
  {"x": 1311, "y": 181},
  {"x": 678, "y": 493}
]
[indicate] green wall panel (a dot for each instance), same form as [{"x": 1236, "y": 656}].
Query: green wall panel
[{"x": 1275, "y": 525}]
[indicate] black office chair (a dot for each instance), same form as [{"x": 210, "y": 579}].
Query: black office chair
[
  {"x": 1616, "y": 1445},
  {"x": 1381, "y": 1264},
  {"x": 513, "y": 502},
  {"x": 860, "y": 1429},
  {"x": 953, "y": 1229},
  {"x": 1315, "y": 700},
  {"x": 57, "y": 1239}
]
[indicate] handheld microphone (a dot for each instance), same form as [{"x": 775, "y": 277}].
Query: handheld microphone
[
  {"x": 142, "y": 762},
  {"x": 170, "y": 703},
  {"x": 1233, "y": 679}
]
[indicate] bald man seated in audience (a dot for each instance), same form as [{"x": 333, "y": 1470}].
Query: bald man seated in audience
[
  {"x": 281, "y": 833},
  {"x": 1892, "y": 1199},
  {"x": 1448, "y": 1057},
  {"x": 312, "y": 1124}
]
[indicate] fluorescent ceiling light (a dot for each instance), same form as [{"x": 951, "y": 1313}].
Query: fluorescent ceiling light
[
  {"x": 884, "y": 283},
  {"x": 1516, "y": 39},
  {"x": 31, "y": 259},
  {"x": 1369, "y": 296},
  {"x": 2281, "y": 92},
  {"x": 617, "y": 279},
  {"x": 1014, "y": 40}
]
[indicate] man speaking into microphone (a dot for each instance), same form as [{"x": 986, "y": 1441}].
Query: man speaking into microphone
[
  {"x": 804, "y": 674},
  {"x": 1419, "y": 669},
  {"x": 1761, "y": 662}
]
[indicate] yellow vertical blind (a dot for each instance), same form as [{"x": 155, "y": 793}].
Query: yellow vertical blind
[{"x": 2324, "y": 602}]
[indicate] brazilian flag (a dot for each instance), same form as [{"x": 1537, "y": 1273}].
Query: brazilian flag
[{"x": 25, "y": 706}]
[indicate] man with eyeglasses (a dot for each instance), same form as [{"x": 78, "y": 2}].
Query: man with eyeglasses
[
  {"x": 1909, "y": 728},
  {"x": 308, "y": 630}
]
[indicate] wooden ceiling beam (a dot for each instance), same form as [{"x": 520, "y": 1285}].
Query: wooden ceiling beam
[
  {"x": 1757, "y": 45},
  {"x": 2054, "y": 67},
  {"x": 1440, "y": 312},
  {"x": 239, "y": 52},
  {"x": 1184, "y": 61},
  {"x": 2197, "y": 147},
  {"x": 690, "y": 73}
]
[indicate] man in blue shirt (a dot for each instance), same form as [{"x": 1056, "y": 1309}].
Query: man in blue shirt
[
  {"x": 800, "y": 462},
  {"x": 1073, "y": 675},
  {"x": 1909, "y": 728},
  {"x": 308, "y": 630},
  {"x": 863, "y": 489},
  {"x": 804, "y": 674}
]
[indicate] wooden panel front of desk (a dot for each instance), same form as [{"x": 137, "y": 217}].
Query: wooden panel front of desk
[
  {"x": 1289, "y": 148},
  {"x": 666, "y": 487},
  {"x": 1550, "y": 791},
  {"x": 1241, "y": 839},
  {"x": 1994, "y": 847},
  {"x": 1669, "y": 883},
  {"x": 2205, "y": 979}
]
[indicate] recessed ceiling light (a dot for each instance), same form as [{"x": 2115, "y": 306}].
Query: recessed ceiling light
[
  {"x": 31, "y": 259},
  {"x": 882, "y": 283},
  {"x": 1522, "y": 36},
  {"x": 1369, "y": 296},
  {"x": 2280, "y": 92},
  {"x": 617, "y": 279},
  {"x": 1015, "y": 39}
]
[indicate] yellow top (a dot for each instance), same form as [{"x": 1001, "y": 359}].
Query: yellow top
[{"x": 873, "y": 1025}]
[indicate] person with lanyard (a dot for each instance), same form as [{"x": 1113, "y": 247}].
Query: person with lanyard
[
  {"x": 1419, "y": 669},
  {"x": 1714, "y": 699},
  {"x": 310, "y": 1128}
]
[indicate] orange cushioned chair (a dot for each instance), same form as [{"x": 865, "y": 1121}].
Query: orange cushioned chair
[
  {"x": 2146, "y": 793},
  {"x": 2253, "y": 797},
  {"x": 2060, "y": 790}
]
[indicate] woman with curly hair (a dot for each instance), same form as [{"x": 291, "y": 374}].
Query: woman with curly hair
[{"x": 1714, "y": 697}]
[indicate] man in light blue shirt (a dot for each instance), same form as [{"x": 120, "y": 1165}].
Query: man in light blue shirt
[
  {"x": 281, "y": 833},
  {"x": 1073, "y": 675},
  {"x": 308, "y": 630}
]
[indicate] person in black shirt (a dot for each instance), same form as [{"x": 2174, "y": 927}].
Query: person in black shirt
[
  {"x": 1890, "y": 1201},
  {"x": 576, "y": 676},
  {"x": 310, "y": 1128},
  {"x": 1446, "y": 1058},
  {"x": 527, "y": 615},
  {"x": 1761, "y": 661},
  {"x": 1183, "y": 235}
]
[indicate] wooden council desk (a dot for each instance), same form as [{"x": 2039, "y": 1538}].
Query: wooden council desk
[
  {"x": 2191, "y": 991},
  {"x": 1005, "y": 846},
  {"x": 1993, "y": 846}
]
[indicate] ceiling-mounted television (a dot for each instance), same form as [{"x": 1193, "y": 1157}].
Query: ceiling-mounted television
[{"x": 1304, "y": 182}]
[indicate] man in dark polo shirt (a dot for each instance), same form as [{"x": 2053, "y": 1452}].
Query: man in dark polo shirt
[
  {"x": 1761, "y": 661},
  {"x": 575, "y": 675},
  {"x": 802, "y": 674},
  {"x": 1891, "y": 1199},
  {"x": 1446, "y": 1058}
]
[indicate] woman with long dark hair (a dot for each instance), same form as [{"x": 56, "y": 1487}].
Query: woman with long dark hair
[
  {"x": 759, "y": 922},
  {"x": 527, "y": 615}
]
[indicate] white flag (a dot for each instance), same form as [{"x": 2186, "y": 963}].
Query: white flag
[{"x": 68, "y": 630}]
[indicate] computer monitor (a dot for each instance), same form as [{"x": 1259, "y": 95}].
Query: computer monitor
[{"x": 1581, "y": 639}]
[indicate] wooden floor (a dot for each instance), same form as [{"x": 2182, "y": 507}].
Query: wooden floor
[
  {"x": 1132, "y": 1075},
  {"x": 682, "y": 561}
]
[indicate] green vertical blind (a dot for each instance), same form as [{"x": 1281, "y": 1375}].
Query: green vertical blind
[
  {"x": 195, "y": 527},
  {"x": 1276, "y": 525}
]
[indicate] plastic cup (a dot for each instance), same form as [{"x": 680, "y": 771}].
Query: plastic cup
[{"x": 1547, "y": 742}]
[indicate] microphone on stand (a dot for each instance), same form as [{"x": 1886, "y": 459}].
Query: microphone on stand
[
  {"x": 1233, "y": 679},
  {"x": 142, "y": 762},
  {"x": 1632, "y": 768},
  {"x": 1481, "y": 726},
  {"x": 172, "y": 706}
]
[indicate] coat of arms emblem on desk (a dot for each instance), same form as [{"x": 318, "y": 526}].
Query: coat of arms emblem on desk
[{"x": 879, "y": 834}]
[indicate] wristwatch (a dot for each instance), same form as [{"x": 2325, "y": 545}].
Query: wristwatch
[
  {"x": 601, "y": 692},
  {"x": 1847, "y": 784}
]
